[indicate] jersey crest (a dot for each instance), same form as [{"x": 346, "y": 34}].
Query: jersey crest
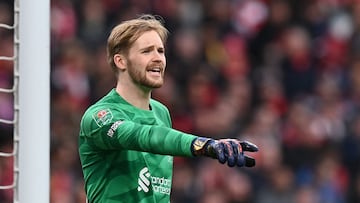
[{"x": 103, "y": 117}]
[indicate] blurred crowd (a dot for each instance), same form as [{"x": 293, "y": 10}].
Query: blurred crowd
[{"x": 284, "y": 74}]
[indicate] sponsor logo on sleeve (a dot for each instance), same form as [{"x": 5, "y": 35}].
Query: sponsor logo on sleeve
[{"x": 113, "y": 128}]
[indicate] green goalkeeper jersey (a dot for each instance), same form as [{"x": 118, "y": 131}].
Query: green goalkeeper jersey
[{"x": 127, "y": 153}]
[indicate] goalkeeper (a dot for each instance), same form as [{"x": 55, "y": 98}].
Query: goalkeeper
[{"x": 126, "y": 142}]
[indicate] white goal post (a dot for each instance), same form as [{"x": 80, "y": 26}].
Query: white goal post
[{"x": 34, "y": 101}]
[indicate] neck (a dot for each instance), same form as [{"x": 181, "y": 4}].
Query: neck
[{"x": 135, "y": 95}]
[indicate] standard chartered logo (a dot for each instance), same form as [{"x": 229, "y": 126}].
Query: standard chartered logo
[
  {"x": 159, "y": 184},
  {"x": 144, "y": 181}
]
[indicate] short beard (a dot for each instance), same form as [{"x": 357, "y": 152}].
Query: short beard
[{"x": 139, "y": 77}]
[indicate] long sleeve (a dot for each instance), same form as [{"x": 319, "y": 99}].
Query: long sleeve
[{"x": 128, "y": 135}]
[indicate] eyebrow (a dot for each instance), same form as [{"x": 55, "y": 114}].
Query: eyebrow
[{"x": 151, "y": 47}]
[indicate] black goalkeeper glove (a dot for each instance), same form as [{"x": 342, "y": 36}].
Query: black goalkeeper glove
[{"x": 225, "y": 150}]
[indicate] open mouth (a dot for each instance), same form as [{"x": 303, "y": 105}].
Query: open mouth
[{"x": 155, "y": 70}]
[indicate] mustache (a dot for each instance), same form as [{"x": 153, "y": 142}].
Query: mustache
[{"x": 160, "y": 65}]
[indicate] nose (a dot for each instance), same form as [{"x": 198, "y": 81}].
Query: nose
[{"x": 158, "y": 56}]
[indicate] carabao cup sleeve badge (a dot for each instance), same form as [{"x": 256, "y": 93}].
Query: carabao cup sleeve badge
[{"x": 103, "y": 117}]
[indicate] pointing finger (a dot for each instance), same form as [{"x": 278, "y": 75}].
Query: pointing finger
[{"x": 248, "y": 146}]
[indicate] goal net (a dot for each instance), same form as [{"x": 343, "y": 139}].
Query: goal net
[{"x": 27, "y": 95}]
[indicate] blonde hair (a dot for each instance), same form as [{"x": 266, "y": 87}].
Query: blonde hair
[{"x": 126, "y": 33}]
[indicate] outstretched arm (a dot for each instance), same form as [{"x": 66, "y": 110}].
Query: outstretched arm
[
  {"x": 155, "y": 139},
  {"x": 128, "y": 135}
]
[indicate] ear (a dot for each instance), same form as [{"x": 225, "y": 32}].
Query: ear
[{"x": 120, "y": 61}]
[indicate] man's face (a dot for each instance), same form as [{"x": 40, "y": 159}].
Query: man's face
[{"x": 146, "y": 61}]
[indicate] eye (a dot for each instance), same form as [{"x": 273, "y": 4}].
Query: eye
[{"x": 161, "y": 50}]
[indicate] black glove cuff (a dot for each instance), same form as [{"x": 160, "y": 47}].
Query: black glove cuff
[{"x": 198, "y": 146}]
